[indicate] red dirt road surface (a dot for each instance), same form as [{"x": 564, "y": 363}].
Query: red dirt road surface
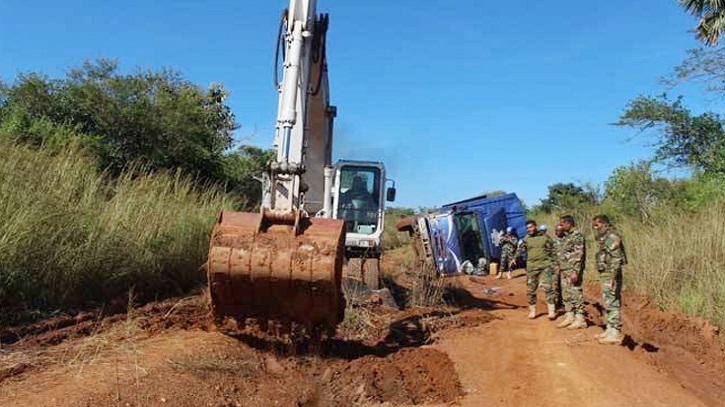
[
  {"x": 514, "y": 361},
  {"x": 482, "y": 351}
]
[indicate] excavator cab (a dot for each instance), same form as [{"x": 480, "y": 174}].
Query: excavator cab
[
  {"x": 359, "y": 196},
  {"x": 359, "y": 200}
]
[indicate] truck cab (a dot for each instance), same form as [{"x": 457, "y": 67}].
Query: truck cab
[{"x": 465, "y": 236}]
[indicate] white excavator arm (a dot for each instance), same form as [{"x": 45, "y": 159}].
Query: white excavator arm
[
  {"x": 281, "y": 264},
  {"x": 304, "y": 120}
]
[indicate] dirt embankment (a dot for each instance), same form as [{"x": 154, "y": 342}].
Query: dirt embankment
[{"x": 687, "y": 348}]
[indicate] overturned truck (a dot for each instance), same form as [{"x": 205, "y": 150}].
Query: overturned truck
[{"x": 464, "y": 236}]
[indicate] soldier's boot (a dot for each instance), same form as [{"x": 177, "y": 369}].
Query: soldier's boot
[
  {"x": 567, "y": 320},
  {"x": 613, "y": 338},
  {"x": 603, "y": 334},
  {"x": 499, "y": 275},
  {"x": 532, "y": 312},
  {"x": 579, "y": 322},
  {"x": 508, "y": 275},
  {"x": 551, "y": 308}
]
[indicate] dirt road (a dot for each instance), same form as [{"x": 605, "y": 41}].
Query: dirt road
[
  {"x": 514, "y": 361},
  {"x": 483, "y": 351}
]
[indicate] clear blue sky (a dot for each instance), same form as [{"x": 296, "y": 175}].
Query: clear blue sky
[{"x": 456, "y": 97}]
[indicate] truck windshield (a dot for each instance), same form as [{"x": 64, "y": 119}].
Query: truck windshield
[
  {"x": 359, "y": 202},
  {"x": 469, "y": 237}
]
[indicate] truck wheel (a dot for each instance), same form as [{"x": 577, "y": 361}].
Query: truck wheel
[{"x": 371, "y": 273}]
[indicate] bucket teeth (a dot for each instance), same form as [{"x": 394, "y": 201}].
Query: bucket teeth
[{"x": 277, "y": 274}]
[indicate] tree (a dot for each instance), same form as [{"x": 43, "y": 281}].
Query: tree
[
  {"x": 696, "y": 142},
  {"x": 158, "y": 118},
  {"x": 241, "y": 168},
  {"x": 712, "y": 18},
  {"x": 704, "y": 66},
  {"x": 634, "y": 190},
  {"x": 566, "y": 196}
]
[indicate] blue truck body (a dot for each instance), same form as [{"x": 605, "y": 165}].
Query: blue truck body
[{"x": 465, "y": 235}]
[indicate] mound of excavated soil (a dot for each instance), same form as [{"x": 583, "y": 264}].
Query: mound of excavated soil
[
  {"x": 410, "y": 376},
  {"x": 166, "y": 353},
  {"x": 226, "y": 374}
]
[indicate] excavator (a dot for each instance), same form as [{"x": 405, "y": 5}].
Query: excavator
[{"x": 285, "y": 263}]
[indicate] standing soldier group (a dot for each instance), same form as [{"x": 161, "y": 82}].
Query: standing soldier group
[{"x": 557, "y": 265}]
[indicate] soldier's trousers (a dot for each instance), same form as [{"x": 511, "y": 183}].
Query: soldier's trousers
[
  {"x": 506, "y": 259},
  {"x": 611, "y": 285},
  {"x": 545, "y": 277},
  {"x": 572, "y": 294}
]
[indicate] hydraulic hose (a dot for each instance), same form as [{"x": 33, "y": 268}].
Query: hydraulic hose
[{"x": 280, "y": 44}]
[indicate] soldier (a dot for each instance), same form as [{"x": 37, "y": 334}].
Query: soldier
[
  {"x": 558, "y": 246},
  {"x": 540, "y": 258},
  {"x": 610, "y": 259},
  {"x": 509, "y": 241},
  {"x": 572, "y": 261}
]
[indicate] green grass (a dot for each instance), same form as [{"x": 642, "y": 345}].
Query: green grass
[
  {"x": 70, "y": 236},
  {"x": 392, "y": 239}
]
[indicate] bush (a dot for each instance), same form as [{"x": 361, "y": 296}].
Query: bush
[{"x": 392, "y": 239}]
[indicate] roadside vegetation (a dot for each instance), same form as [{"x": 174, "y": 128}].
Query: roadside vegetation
[
  {"x": 110, "y": 182},
  {"x": 71, "y": 236}
]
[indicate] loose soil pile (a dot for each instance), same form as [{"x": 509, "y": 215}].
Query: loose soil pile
[{"x": 171, "y": 353}]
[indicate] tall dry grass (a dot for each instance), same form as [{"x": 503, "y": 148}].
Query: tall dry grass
[
  {"x": 69, "y": 236},
  {"x": 680, "y": 263}
]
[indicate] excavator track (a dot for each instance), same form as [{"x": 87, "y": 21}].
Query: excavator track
[{"x": 276, "y": 269}]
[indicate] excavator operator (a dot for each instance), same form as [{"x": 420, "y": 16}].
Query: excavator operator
[
  {"x": 358, "y": 204},
  {"x": 358, "y": 196}
]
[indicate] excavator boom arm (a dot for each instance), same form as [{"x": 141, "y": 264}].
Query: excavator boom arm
[{"x": 281, "y": 264}]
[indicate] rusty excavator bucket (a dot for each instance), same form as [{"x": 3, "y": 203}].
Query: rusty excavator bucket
[{"x": 284, "y": 268}]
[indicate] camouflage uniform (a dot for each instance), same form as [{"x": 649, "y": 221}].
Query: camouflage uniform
[
  {"x": 572, "y": 260},
  {"x": 558, "y": 248},
  {"x": 508, "y": 249},
  {"x": 540, "y": 261},
  {"x": 610, "y": 259}
]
